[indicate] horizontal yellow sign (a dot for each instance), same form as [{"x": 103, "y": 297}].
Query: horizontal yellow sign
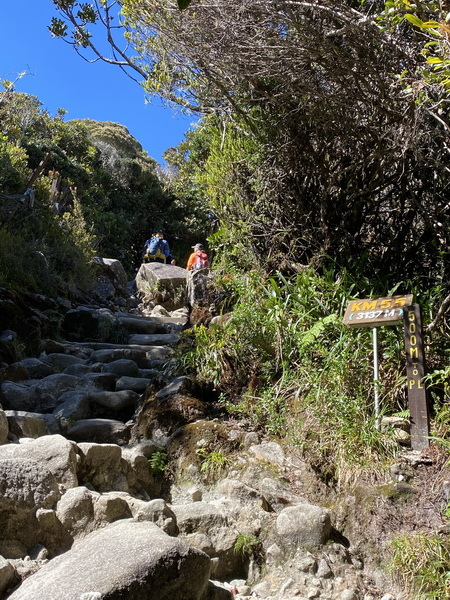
[{"x": 375, "y": 312}]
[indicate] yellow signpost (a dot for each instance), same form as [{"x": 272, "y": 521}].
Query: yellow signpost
[{"x": 376, "y": 312}]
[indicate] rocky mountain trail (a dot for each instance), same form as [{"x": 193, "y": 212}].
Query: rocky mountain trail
[{"x": 120, "y": 480}]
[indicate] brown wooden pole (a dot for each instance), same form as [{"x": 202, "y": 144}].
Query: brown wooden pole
[{"x": 415, "y": 373}]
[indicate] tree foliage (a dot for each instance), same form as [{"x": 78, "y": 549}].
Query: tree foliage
[
  {"x": 337, "y": 158},
  {"x": 98, "y": 193}
]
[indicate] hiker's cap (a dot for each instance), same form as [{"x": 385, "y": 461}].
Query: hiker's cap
[{"x": 197, "y": 246}]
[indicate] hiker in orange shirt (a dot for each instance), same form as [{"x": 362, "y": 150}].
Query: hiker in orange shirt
[{"x": 198, "y": 259}]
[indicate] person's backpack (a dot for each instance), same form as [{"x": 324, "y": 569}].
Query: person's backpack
[
  {"x": 155, "y": 248},
  {"x": 201, "y": 260}
]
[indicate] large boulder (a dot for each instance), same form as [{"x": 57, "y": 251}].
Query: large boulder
[
  {"x": 212, "y": 530},
  {"x": 202, "y": 297},
  {"x": 58, "y": 361},
  {"x": 304, "y": 525},
  {"x": 18, "y": 396},
  {"x": 25, "y": 483},
  {"x": 25, "y": 487},
  {"x": 28, "y": 368},
  {"x": 23, "y": 424},
  {"x": 81, "y": 511},
  {"x": 122, "y": 366},
  {"x": 100, "y": 431},
  {"x": 74, "y": 407},
  {"x": 162, "y": 284},
  {"x": 127, "y": 560},
  {"x": 135, "y": 384},
  {"x": 100, "y": 467},
  {"x": 54, "y": 451},
  {"x": 49, "y": 389},
  {"x": 199, "y": 288},
  {"x": 114, "y": 401},
  {"x": 138, "y": 324},
  {"x": 157, "y": 339},
  {"x": 155, "y": 510}
]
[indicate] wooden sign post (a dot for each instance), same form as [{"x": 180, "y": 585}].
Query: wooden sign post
[
  {"x": 415, "y": 373},
  {"x": 389, "y": 311}
]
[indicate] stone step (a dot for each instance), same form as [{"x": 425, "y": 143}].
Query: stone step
[{"x": 159, "y": 339}]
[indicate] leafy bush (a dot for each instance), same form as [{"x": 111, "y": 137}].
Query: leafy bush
[
  {"x": 158, "y": 462},
  {"x": 285, "y": 362},
  {"x": 212, "y": 461},
  {"x": 247, "y": 545}
]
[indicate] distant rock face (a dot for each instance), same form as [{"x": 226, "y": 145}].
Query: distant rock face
[
  {"x": 162, "y": 284},
  {"x": 127, "y": 560}
]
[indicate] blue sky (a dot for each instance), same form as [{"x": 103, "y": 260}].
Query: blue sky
[{"x": 61, "y": 79}]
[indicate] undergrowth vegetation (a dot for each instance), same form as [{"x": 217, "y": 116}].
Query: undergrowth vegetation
[
  {"x": 287, "y": 364},
  {"x": 422, "y": 563}
]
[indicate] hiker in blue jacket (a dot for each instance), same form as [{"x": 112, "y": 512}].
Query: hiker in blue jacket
[{"x": 156, "y": 249}]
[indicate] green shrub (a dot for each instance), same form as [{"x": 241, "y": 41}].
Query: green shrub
[
  {"x": 158, "y": 462},
  {"x": 212, "y": 462},
  {"x": 422, "y": 564},
  {"x": 247, "y": 546},
  {"x": 285, "y": 362}
]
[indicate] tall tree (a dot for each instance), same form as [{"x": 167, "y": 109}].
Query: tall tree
[{"x": 344, "y": 161}]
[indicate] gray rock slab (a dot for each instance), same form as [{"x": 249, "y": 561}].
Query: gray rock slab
[
  {"x": 163, "y": 285},
  {"x": 303, "y": 525},
  {"x": 238, "y": 491},
  {"x": 37, "y": 369},
  {"x": 178, "y": 385},
  {"x": 58, "y": 361},
  {"x": 156, "y": 511},
  {"x": 107, "y": 355},
  {"x": 199, "y": 517},
  {"x": 18, "y": 396},
  {"x": 78, "y": 370},
  {"x": 25, "y": 483},
  {"x": 158, "y": 339},
  {"x": 101, "y": 431},
  {"x": 269, "y": 452},
  {"x": 54, "y": 451},
  {"x": 112, "y": 269},
  {"x": 102, "y": 381},
  {"x": 157, "y": 353},
  {"x": 102, "y": 467},
  {"x": 75, "y": 510},
  {"x": 26, "y": 424},
  {"x": 138, "y": 324},
  {"x": 136, "y": 384},
  {"x": 126, "y": 560},
  {"x": 49, "y": 389},
  {"x": 122, "y": 366},
  {"x": 74, "y": 406},
  {"x": 114, "y": 400},
  {"x": 158, "y": 273}
]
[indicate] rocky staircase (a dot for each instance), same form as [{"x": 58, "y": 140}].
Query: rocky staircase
[{"x": 89, "y": 508}]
